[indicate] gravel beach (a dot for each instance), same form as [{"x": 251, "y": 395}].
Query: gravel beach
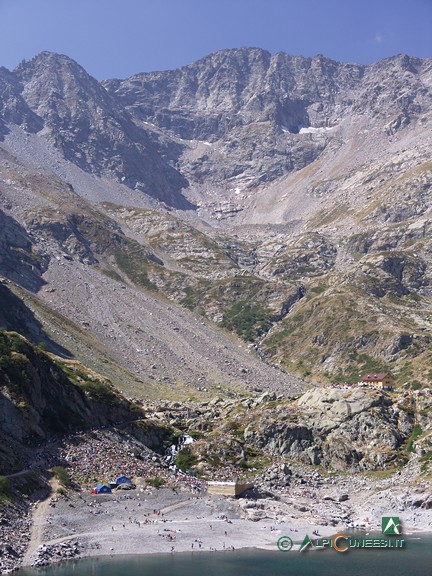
[
  {"x": 162, "y": 521},
  {"x": 143, "y": 522}
]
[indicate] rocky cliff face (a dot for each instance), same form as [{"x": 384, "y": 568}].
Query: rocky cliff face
[
  {"x": 268, "y": 115},
  {"x": 233, "y": 88},
  {"x": 262, "y": 116},
  {"x": 18, "y": 261},
  {"x": 13, "y": 107},
  {"x": 339, "y": 430}
]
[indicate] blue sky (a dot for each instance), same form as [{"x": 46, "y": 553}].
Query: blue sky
[{"x": 118, "y": 38}]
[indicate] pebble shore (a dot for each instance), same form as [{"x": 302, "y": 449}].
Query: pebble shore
[{"x": 147, "y": 520}]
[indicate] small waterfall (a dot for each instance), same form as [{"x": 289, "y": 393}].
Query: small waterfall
[{"x": 174, "y": 449}]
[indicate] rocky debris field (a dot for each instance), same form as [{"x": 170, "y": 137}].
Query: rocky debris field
[
  {"x": 50, "y": 553},
  {"x": 338, "y": 500},
  {"x": 155, "y": 339},
  {"x": 15, "y": 529}
]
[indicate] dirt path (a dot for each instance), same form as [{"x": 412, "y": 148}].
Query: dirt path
[
  {"x": 184, "y": 504},
  {"x": 39, "y": 516},
  {"x": 18, "y": 474}
]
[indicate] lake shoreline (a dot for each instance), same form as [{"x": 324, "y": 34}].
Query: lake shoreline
[
  {"x": 144, "y": 521},
  {"x": 414, "y": 559}
]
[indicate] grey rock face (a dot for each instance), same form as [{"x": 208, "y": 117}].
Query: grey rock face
[
  {"x": 270, "y": 115},
  {"x": 262, "y": 116},
  {"x": 233, "y": 88},
  {"x": 13, "y": 108},
  {"x": 17, "y": 261},
  {"x": 357, "y": 430}
]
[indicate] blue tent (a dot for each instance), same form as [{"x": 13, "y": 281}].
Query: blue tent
[
  {"x": 102, "y": 489},
  {"x": 122, "y": 479}
]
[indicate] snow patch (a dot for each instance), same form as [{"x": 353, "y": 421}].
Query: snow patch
[
  {"x": 307, "y": 129},
  {"x": 312, "y": 130}
]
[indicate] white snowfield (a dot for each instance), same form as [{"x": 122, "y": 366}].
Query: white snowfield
[
  {"x": 309, "y": 129},
  {"x": 312, "y": 130}
]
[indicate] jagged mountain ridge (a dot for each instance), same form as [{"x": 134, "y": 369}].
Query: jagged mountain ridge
[
  {"x": 268, "y": 115},
  {"x": 237, "y": 87},
  {"x": 271, "y": 115}
]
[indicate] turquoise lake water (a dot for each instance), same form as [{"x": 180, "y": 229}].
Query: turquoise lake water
[{"x": 415, "y": 559}]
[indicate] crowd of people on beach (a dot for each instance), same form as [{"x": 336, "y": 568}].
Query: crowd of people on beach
[
  {"x": 95, "y": 457},
  {"x": 99, "y": 456}
]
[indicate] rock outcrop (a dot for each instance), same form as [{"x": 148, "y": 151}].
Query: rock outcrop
[
  {"x": 18, "y": 261},
  {"x": 270, "y": 115},
  {"x": 13, "y": 107},
  {"x": 337, "y": 429}
]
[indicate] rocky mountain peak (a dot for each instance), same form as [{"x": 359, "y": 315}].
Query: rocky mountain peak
[
  {"x": 56, "y": 84},
  {"x": 208, "y": 98},
  {"x": 92, "y": 129},
  {"x": 230, "y": 88}
]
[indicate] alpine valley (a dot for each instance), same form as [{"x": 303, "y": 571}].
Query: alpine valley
[{"x": 221, "y": 250}]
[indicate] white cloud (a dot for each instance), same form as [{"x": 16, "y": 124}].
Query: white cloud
[{"x": 379, "y": 37}]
